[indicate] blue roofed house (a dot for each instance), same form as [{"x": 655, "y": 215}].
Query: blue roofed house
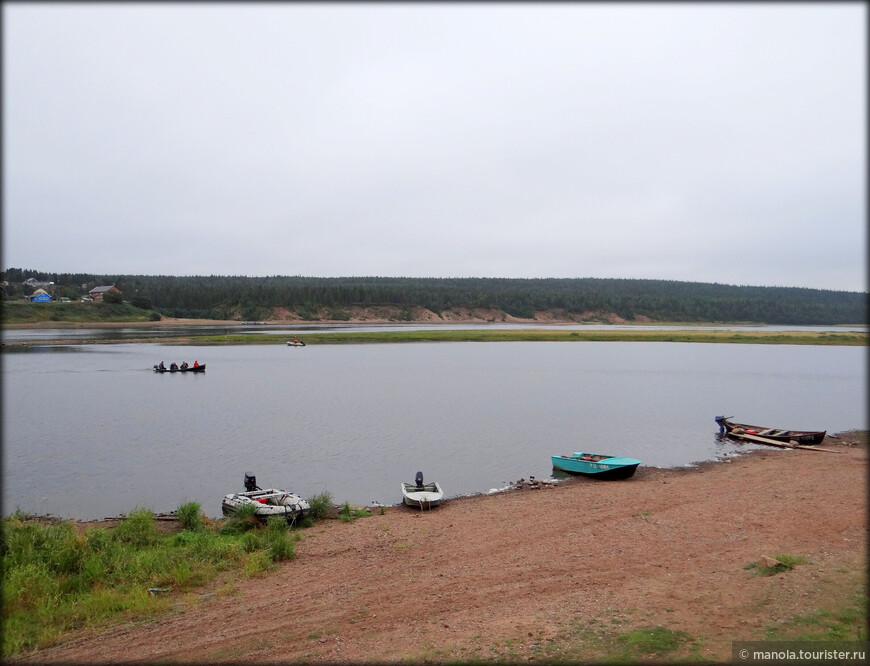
[{"x": 40, "y": 296}]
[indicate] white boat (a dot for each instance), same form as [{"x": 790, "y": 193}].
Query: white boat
[
  {"x": 269, "y": 502},
  {"x": 423, "y": 495},
  {"x": 295, "y": 343}
]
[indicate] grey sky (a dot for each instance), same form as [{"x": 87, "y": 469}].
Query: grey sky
[{"x": 702, "y": 142}]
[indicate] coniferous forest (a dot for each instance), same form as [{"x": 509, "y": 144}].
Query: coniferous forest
[{"x": 253, "y": 298}]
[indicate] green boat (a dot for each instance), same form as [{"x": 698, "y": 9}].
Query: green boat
[{"x": 597, "y": 465}]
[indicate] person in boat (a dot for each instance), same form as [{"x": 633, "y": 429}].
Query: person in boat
[
  {"x": 196, "y": 364},
  {"x": 162, "y": 366},
  {"x": 173, "y": 366},
  {"x": 296, "y": 340},
  {"x": 184, "y": 365}
]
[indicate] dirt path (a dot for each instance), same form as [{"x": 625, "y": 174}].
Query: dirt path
[{"x": 509, "y": 575}]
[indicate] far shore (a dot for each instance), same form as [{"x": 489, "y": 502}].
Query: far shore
[{"x": 435, "y": 323}]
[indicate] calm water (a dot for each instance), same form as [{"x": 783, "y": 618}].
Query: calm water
[{"x": 91, "y": 431}]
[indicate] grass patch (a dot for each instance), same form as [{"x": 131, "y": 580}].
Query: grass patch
[
  {"x": 190, "y": 516},
  {"x": 785, "y": 563},
  {"x": 847, "y": 622},
  {"x": 855, "y": 338},
  {"x": 34, "y": 313},
  {"x": 320, "y": 505},
  {"x": 57, "y": 579},
  {"x": 348, "y": 514},
  {"x": 657, "y": 641},
  {"x": 598, "y": 641}
]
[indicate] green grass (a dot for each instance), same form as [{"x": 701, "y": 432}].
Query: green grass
[
  {"x": 348, "y": 514},
  {"x": 320, "y": 505},
  {"x": 597, "y": 641},
  {"x": 190, "y": 516},
  {"x": 552, "y": 335},
  {"x": 56, "y": 579},
  {"x": 846, "y": 623},
  {"x": 786, "y": 563},
  {"x": 76, "y": 312}
]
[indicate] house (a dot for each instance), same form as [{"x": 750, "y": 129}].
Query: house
[
  {"x": 97, "y": 293},
  {"x": 40, "y": 296}
]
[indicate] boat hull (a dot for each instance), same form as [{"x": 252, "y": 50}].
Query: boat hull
[
  {"x": 190, "y": 368},
  {"x": 808, "y": 437},
  {"x": 597, "y": 466},
  {"x": 271, "y": 502},
  {"x": 424, "y": 498}
]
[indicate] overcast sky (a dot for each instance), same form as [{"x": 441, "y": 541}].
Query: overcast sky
[{"x": 698, "y": 142}]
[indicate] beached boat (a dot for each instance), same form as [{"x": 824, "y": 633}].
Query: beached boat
[
  {"x": 597, "y": 465},
  {"x": 269, "y": 502},
  {"x": 800, "y": 436},
  {"x": 423, "y": 495}
]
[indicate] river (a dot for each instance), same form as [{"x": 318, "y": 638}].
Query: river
[{"x": 91, "y": 431}]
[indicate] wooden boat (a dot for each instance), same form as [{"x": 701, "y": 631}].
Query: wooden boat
[
  {"x": 423, "y": 495},
  {"x": 800, "y": 436},
  {"x": 269, "y": 502},
  {"x": 597, "y": 465}
]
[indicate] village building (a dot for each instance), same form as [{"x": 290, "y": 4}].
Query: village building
[
  {"x": 33, "y": 282},
  {"x": 40, "y": 296},
  {"x": 97, "y": 293}
]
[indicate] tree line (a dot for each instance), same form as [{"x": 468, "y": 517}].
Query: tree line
[{"x": 252, "y": 298}]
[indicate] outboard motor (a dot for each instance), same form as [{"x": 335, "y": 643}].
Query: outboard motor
[
  {"x": 250, "y": 482},
  {"x": 419, "y": 479}
]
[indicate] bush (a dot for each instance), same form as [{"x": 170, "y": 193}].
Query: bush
[
  {"x": 190, "y": 516},
  {"x": 142, "y": 302},
  {"x": 138, "y": 528},
  {"x": 320, "y": 505},
  {"x": 242, "y": 520},
  {"x": 348, "y": 514},
  {"x": 279, "y": 543},
  {"x": 113, "y": 296}
]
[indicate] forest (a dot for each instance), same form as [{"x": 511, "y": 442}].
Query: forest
[{"x": 254, "y": 298}]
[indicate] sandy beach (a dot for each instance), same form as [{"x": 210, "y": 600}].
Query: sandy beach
[{"x": 535, "y": 574}]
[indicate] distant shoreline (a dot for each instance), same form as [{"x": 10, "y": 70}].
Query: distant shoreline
[
  {"x": 168, "y": 321},
  {"x": 437, "y": 333}
]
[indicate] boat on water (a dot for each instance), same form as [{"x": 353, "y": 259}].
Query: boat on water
[
  {"x": 269, "y": 502},
  {"x": 777, "y": 434},
  {"x": 597, "y": 465},
  {"x": 423, "y": 495},
  {"x": 181, "y": 368},
  {"x": 295, "y": 343}
]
